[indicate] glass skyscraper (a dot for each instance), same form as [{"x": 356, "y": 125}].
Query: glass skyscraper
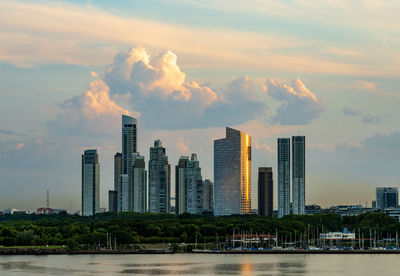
[
  {"x": 113, "y": 194},
  {"x": 180, "y": 185},
  {"x": 208, "y": 196},
  {"x": 139, "y": 179},
  {"x": 298, "y": 174},
  {"x": 283, "y": 177},
  {"x": 159, "y": 180},
  {"x": 265, "y": 191},
  {"x": 232, "y": 173},
  {"x": 90, "y": 183},
  {"x": 386, "y": 197}
]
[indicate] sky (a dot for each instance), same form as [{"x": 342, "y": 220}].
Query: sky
[{"x": 328, "y": 70}]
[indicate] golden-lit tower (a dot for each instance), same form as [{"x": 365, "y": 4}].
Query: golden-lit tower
[{"x": 232, "y": 173}]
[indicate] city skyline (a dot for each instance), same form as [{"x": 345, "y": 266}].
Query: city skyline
[{"x": 187, "y": 69}]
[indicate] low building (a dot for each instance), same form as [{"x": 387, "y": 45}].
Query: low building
[{"x": 345, "y": 235}]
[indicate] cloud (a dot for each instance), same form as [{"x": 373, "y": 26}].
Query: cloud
[
  {"x": 299, "y": 106},
  {"x": 60, "y": 32},
  {"x": 365, "y": 85},
  {"x": 182, "y": 147},
  {"x": 18, "y": 146},
  {"x": 155, "y": 88},
  {"x": 93, "y": 113},
  {"x": 372, "y": 119},
  {"x": 349, "y": 111}
]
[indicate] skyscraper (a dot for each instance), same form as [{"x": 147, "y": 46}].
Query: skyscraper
[
  {"x": 232, "y": 173},
  {"x": 113, "y": 201},
  {"x": 129, "y": 142},
  {"x": 265, "y": 191},
  {"x": 159, "y": 180},
  {"x": 386, "y": 197},
  {"x": 193, "y": 186},
  {"x": 90, "y": 182},
  {"x": 124, "y": 194},
  {"x": 117, "y": 169},
  {"x": 139, "y": 180},
  {"x": 283, "y": 177},
  {"x": 113, "y": 194},
  {"x": 298, "y": 175},
  {"x": 208, "y": 196},
  {"x": 180, "y": 185}
]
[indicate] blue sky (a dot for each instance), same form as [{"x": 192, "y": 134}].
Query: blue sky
[{"x": 327, "y": 70}]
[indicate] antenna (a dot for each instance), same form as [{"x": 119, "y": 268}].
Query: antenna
[{"x": 48, "y": 199}]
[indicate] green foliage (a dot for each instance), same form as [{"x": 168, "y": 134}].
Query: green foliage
[{"x": 101, "y": 230}]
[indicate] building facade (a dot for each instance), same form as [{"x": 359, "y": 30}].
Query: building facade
[
  {"x": 159, "y": 179},
  {"x": 113, "y": 194},
  {"x": 124, "y": 194},
  {"x": 298, "y": 175},
  {"x": 208, "y": 196},
  {"x": 90, "y": 182},
  {"x": 193, "y": 185},
  {"x": 232, "y": 173},
  {"x": 386, "y": 197},
  {"x": 283, "y": 177},
  {"x": 265, "y": 191},
  {"x": 139, "y": 180},
  {"x": 129, "y": 147},
  {"x": 180, "y": 185}
]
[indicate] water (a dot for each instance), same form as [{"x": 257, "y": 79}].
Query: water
[{"x": 200, "y": 264}]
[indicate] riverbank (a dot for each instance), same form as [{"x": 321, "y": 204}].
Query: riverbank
[{"x": 65, "y": 251}]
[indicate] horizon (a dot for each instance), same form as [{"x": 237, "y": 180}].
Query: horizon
[{"x": 186, "y": 70}]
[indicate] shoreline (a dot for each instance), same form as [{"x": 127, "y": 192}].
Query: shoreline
[{"x": 64, "y": 251}]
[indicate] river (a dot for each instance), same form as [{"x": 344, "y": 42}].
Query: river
[{"x": 201, "y": 264}]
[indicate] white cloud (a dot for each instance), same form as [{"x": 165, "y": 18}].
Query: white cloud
[
  {"x": 349, "y": 111},
  {"x": 299, "y": 105},
  {"x": 155, "y": 89}
]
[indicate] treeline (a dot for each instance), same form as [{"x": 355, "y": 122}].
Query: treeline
[{"x": 131, "y": 228}]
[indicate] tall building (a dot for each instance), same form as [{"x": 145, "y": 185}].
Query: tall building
[
  {"x": 159, "y": 180},
  {"x": 129, "y": 142},
  {"x": 124, "y": 194},
  {"x": 129, "y": 146},
  {"x": 208, "y": 196},
  {"x": 139, "y": 181},
  {"x": 90, "y": 183},
  {"x": 193, "y": 185},
  {"x": 113, "y": 194},
  {"x": 283, "y": 177},
  {"x": 180, "y": 185},
  {"x": 265, "y": 191},
  {"x": 112, "y": 201},
  {"x": 232, "y": 173},
  {"x": 298, "y": 175},
  {"x": 386, "y": 197},
  {"x": 117, "y": 169}
]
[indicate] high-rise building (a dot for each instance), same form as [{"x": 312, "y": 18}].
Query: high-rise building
[
  {"x": 159, "y": 179},
  {"x": 283, "y": 177},
  {"x": 139, "y": 181},
  {"x": 386, "y": 197},
  {"x": 129, "y": 146},
  {"x": 298, "y": 175},
  {"x": 112, "y": 201},
  {"x": 208, "y": 196},
  {"x": 265, "y": 191},
  {"x": 124, "y": 194},
  {"x": 232, "y": 173},
  {"x": 113, "y": 194},
  {"x": 180, "y": 185},
  {"x": 193, "y": 186},
  {"x": 129, "y": 142},
  {"x": 117, "y": 169},
  {"x": 90, "y": 183}
]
